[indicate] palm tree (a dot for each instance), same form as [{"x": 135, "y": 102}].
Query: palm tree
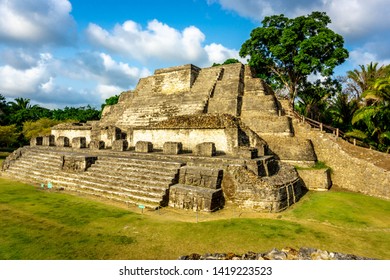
[
  {"x": 342, "y": 109},
  {"x": 379, "y": 91},
  {"x": 20, "y": 103},
  {"x": 361, "y": 80},
  {"x": 372, "y": 122}
]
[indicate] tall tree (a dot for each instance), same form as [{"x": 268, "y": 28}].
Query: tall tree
[{"x": 286, "y": 51}]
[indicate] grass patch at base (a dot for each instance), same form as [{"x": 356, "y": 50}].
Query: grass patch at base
[{"x": 38, "y": 224}]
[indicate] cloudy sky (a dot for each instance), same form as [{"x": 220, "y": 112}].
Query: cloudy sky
[{"x": 77, "y": 52}]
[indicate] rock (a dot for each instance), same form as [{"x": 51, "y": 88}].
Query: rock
[{"x": 286, "y": 253}]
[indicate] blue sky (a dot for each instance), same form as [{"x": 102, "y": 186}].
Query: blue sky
[{"x": 77, "y": 52}]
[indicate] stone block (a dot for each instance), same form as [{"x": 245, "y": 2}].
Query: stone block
[
  {"x": 120, "y": 145},
  {"x": 79, "y": 142},
  {"x": 195, "y": 198},
  {"x": 205, "y": 149},
  {"x": 172, "y": 148},
  {"x": 48, "y": 140},
  {"x": 201, "y": 177},
  {"x": 96, "y": 145},
  {"x": 62, "y": 141},
  {"x": 144, "y": 147},
  {"x": 75, "y": 164},
  {"x": 247, "y": 153},
  {"x": 316, "y": 179},
  {"x": 36, "y": 141}
]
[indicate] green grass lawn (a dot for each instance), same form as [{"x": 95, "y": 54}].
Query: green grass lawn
[{"x": 37, "y": 224}]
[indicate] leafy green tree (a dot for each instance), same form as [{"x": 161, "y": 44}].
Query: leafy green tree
[
  {"x": 81, "y": 114},
  {"x": 286, "y": 51},
  {"x": 227, "y": 61},
  {"x": 3, "y": 110},
  {"x": 21, "y": 110},
  {"x": 40, "y": 127},
  {"x": 111, "y": 101},
  {"x": 8, "y": 136}
]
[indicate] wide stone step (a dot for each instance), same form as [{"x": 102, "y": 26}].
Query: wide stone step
[
  {"x": 139, "y": 162},
  {"x": 133, "y": 170},
  {"x": 127, "y": 182},
  {"x": 120, "y": 197},
  {"x": 27, "y": 163},
  {"x": 37, "y": 170},
  {"x": 115, "y": 189},
  {"x": 63, "y": 180},
  {"x": 131, "y": 176}
]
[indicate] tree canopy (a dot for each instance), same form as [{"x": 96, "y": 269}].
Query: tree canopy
[{"x": 287, "y": 51}]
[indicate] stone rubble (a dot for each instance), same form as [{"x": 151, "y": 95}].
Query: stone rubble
[{"x": 287, "y": 253}]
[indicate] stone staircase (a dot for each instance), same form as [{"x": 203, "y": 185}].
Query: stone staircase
[
  {"x": 130, "y": 180},
  {"x": 149, "y": 109}
]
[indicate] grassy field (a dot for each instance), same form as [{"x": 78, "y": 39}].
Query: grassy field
[{"x": 37, "y": 224}]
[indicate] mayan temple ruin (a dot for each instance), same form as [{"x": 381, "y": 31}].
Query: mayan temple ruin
[{"x": 186, "y": 137}]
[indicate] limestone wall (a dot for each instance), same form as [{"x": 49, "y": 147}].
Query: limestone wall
[
  {"x": 175, "y": 79},
  {"x": 348, "y": 172},
  {"x": 225, "y": 139},
  {"x": 73, "y": 133}
]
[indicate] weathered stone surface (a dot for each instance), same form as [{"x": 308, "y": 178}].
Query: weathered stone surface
[
  {"x": 349, "y": 172},
  {"x": 195, "y": 198},
  {"x": 206, "y": 149},
  {"x": 36, "y": 141},
  {"x": 247, "y": 153},
  {"x": 72, "y": 130},
  {"x": 79, "y": 142},
  {"x": 77, "y": 163},
  {"x": 62, "y": 141},
  {"x": 48, "y": 140},
  {"x": 144, "y": 147},
  {"x": 173, "y": 148},
  {"x": 120, "y": 145},
  {"x": 201, "y": 177},
  {"x": 316, "y": 179},
  {"x": 199, "y": 189},
  {"x": 96, "y": 145}
]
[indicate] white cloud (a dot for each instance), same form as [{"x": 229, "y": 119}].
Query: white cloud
[
  {"x": 218, "y": 53},
  {"x": 159, "y": 43},
  {"x": 36, "y": 22},
  {"x": 93, "y": 76}
]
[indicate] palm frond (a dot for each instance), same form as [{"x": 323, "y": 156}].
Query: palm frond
[{"x": 357, "y": 134}]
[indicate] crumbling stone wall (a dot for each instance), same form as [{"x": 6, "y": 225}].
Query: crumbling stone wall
[{"x": 268, "y": 194}]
